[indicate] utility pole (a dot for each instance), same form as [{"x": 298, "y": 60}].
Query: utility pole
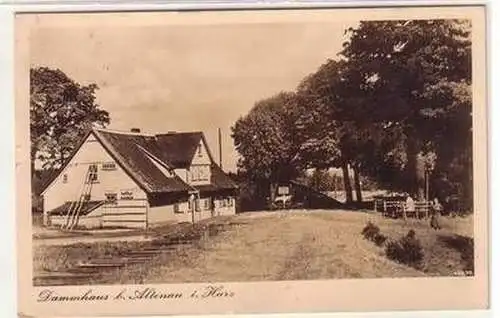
[
  {"x": 427, "y": 185},
  {"x": 220, "y": 148}
]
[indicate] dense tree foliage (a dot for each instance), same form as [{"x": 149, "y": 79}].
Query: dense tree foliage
[
  {"x": 396, "y": 107},
  {"x": 61, "y": 112},
  {"x": 265, "y": 138},
  {"x": 413, "y": 77}
]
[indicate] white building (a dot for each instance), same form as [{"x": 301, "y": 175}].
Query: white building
[{"x": 132, "y": 179}]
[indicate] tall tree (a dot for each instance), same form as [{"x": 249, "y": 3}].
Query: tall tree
[
  {"x": 323, "y": 138},
  {"x": 344, "y": 140},
  {"x": 408, "y": 74},
  {"x": 61, "y": 112},
  {"x": 266, "y": 142}
]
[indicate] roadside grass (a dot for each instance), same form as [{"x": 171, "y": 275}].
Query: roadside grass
[
  {"x": 287, "y": 246},
  {"x": 44, "y": 233},
  {"x": 58, "y": 258},
  {"x": 447, "y": 252},
  {"x": 279, "y": 246}
]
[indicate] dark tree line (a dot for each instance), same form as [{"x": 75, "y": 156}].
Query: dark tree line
[{"x": 394, "y": 106}]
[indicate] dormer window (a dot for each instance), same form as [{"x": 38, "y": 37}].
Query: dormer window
[{"x": 200, "y": 173}]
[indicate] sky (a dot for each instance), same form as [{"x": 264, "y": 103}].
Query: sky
[{"x": 163, "y": 77}]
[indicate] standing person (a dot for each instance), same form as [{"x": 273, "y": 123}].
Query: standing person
[
  {"x": 410, "y": 204},
  {"x": 191, "y": 206},
  {"x": 436, "y": 209}
]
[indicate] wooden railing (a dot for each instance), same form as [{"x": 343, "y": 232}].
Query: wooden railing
[{"x": 396, "y": 209}]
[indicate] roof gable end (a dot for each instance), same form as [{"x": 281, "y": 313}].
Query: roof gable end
[{"x": 59, "y": 171}]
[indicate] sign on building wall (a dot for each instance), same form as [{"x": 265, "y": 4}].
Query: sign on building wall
[{"x": 283, "y": 190}]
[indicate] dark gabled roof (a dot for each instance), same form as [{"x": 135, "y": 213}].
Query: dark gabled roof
[
  {"x": 50, "y": 179},
  {"x": 137, "y": 154},
  {"x": 179, "y": 148},
  {"x": 218, "y": 181},
  {"x": 86, "y": 208},
  {"x": 131, "y": 152},
  {"x": 42, "y": 178}
]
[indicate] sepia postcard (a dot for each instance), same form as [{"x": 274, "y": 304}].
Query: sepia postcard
[{"x": 251, "y": 161}]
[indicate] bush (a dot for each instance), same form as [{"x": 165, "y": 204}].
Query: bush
[
  {"x": 407, "y": 250},
  {"x": 379, "y": 239},
  {"x": 370, "y": 231}
]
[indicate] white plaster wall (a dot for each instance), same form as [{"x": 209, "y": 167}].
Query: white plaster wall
[
  {"x": 183, "y": 206},
  {"x": 183, "y": 174},
  {"x": 202, "y": 215},
  {"x": 161, "y": 214},
  {"x": 200, "y": 159},
  {"x": 184, "y": 217},
  {"x": 126, "y": 224},
  {"x": 225, "y": 210},
  {"x": 92, "y": 220},
  {"x": 91, "y": 152}
]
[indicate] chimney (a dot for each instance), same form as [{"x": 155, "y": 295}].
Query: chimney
[{"x": 135, "y": 130}]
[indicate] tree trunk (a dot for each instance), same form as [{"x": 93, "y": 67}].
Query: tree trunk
[
  {"x": 420, "y": 176},
  {"x": 415, "y": 169},
  {"x": 32, "y": 158},
  {"x": 357, "y": 184},
  {"x": 347, "y": 182},
  {"x": 61, "y": 157},
  {"x": 272, "y": 189}
]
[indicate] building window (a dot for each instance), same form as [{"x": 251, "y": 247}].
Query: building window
[
  {"x": 200, "y": 153},
  {"x": 65, "y": 178},
  {"x": 195, "y": 174},
  {"x": 229, "y": 202},
  {"x": 111, "y": 198},
  {"x": 207, "y": 204},
  {"x": 177, "y": 208},
  {"x": 92, "y": 174},
  {"x": 204, "y": 173},
  {"x": 197, "y": 205},
  {"x": 200, "y": 173},
  {"x": 221, "y": 203},
  {"x": 108, "y": 166}
]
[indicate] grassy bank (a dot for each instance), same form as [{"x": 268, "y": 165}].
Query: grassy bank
[{"x": 282, "y": 246}]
